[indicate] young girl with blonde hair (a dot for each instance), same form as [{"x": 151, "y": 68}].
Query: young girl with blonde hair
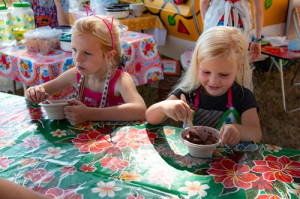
[
  {"x": 105, "y": 93},
  {"x": 211, "y": 92}
]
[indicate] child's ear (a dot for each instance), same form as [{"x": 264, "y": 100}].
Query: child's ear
[{"x": 111, "y": 54}]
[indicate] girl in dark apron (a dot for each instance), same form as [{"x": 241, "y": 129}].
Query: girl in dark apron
[{"x": 211, "y": 92}]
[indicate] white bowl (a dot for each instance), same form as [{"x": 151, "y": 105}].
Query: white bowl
[
  {"x": 118, "y": 14},
  {"x": 136, "y": 9},
  {"x": 201, "y": 150},
  {"x": 55, "y": 110}
]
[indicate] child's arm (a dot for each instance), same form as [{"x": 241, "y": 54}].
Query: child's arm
[
  {"x": 62, "y": 17},
  {"x": 40, "y": 92},
  {"x": 203, "y": 8},
  {"x": 248, "y": 131},
  {"x": 134, "y": 107},
  {"x": 10, "y": 190},
  {"x": 172, "y": 107}
]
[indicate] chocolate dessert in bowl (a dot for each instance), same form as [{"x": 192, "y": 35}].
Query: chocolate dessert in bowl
[{"x": 201, "y": 141}]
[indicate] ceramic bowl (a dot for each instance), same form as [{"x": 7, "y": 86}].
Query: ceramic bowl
[
  {"x": 136, "y": 9},
  {"x": 55, "y": 109},
  {"x": 201, "y": 150}
]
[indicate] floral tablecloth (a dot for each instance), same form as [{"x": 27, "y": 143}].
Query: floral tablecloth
[
  {"x": 33, "y": 68},
  {"x": 133, "y": 160}
]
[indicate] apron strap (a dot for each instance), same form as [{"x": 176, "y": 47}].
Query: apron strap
[
  {"x": 229, "y": 98},
  {"x": 197, "y": 99},
  {"x": 81, "y": 85},
  {"x": 229, "y": 105}
]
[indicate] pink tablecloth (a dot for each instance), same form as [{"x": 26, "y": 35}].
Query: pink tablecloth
[{"x": 33, "y": 68}]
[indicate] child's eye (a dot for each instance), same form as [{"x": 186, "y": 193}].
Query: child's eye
[
  {"x": 73, "y": 49},
  {"x": 87, "y": 53},
  {"x": 207, "y": 73},
  {"x": 224, "y": 75}
]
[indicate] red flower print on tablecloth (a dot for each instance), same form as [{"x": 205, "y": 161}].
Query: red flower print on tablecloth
[
  {"x": 231, "y": 174},
  {"x": 65, "y": 194},
  {"x": 134, "y": 138},
  {"x": 4, "y": 133},
  {"x": 262, "y": 184},
  {"x": 274, "y": 168},
  {"x": 149, "y": 47},
  {"x": 32, "y": 142},
  {"x": 85, "y": 125},
  {"x": 87, "y": 168},
  {"x": 114, "y": 163},
  {"x": 138, "y": 67},
  {"x": 39, "y": 175},
  {"x": 92, "y": 141},
  {"x": 161, "y": 175},
  {"x": 68, "y": 170},
  {"x": 268, "y": 196},
  {"x": 137, "y": 197},
  {"x": 4, "y": 162},
  {"x": 35, "y": 113}
]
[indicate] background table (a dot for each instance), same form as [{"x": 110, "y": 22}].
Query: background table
[
  {"x": 148, "y": 23},
  {"x": 282, "y": 53},
  {"x": 33, "y": 68},
  {"x": 133, "y": 160}
]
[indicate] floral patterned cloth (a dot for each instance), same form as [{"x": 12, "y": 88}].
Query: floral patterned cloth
[
  {"x": 133, "y": 160},
  {"x": 33, "y": 68}
]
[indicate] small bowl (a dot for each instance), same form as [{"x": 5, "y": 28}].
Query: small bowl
[
  {"x": 201, "y": 150},
  {"x": 136, "y": 9},
  {"x": 65, "y": 42},
  {"x": 118, "y": 10},
  {"x": 55, "y": 110}
]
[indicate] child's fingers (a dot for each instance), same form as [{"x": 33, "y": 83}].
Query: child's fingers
[
  {"x": 224, "y": 136},
  {"x": 189, "y": 111},
  {"x": 182, "y": 97}
]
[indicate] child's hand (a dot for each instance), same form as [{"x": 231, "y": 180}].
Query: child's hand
[
  {"x": 76, "y": 112},
  {"x": 36, "y": 94},
  {"x": 178, "y": 110},
  {"x": 229, "y": 135}
]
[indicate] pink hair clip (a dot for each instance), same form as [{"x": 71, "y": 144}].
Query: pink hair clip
[{"x": 87, "y": 8}]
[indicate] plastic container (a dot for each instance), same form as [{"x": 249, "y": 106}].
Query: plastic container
[
  {"x": 23, "y": 19},
  {"x": 43, "y": 39},
  {"x": 55, "y": 110},
  {"x": 7, "y": 37},
  {"x": 65, "y": 42},
  {"x": 201, "y": 150}
]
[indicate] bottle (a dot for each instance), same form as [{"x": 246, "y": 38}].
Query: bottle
[
  {"x": 23, "y": 19},
  {"x": 6, "y": 27}
]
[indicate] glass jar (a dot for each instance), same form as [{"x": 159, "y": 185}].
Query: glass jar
[
  {"x": 6, "y": 27},
  {"x": 23, "y": 19}
]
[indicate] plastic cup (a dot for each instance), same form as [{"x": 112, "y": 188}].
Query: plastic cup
[{"x": 199, "y": 150}]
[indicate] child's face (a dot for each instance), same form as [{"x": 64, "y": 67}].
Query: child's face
[
  {"x": 88, "y": 56},
  {"x": 216, "y": 76}
]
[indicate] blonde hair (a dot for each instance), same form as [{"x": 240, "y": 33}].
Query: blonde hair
[
  {"x": 98, "y": 28},
  {"x": 217, "y": 42}
]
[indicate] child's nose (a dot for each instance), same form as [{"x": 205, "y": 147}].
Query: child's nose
[
  {"x": 78, "y": 57},
  {"x": 214, "y": 79}
]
